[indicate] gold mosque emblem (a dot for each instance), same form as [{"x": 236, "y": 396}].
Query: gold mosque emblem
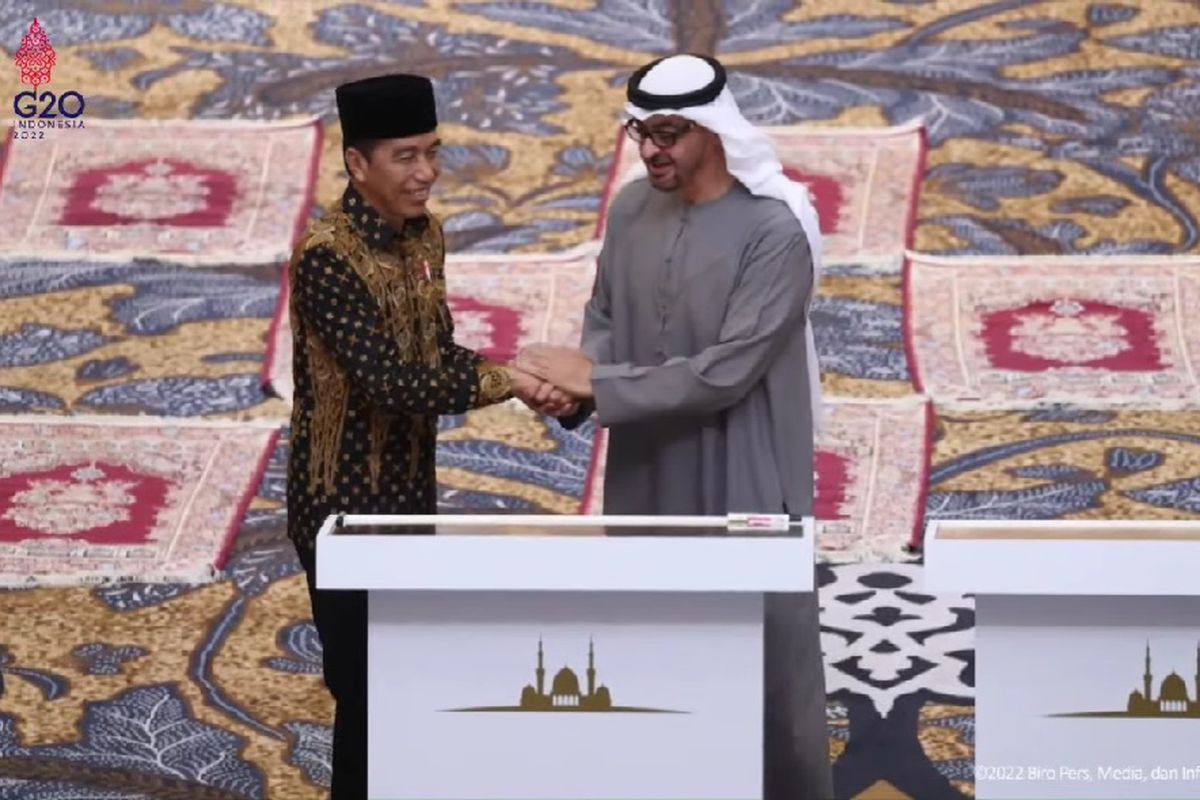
[
  {"x": 1172, "y": 700},
  {"x": 566, "y": 694}
]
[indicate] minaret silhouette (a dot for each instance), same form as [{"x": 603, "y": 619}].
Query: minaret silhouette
[
  {"x": 1147, "y": 679},
  {"x": 541, "y": 671},
  {"x": 591, "y": 671}
]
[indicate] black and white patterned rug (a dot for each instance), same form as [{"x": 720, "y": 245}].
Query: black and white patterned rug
[{"x": 900, "y": 676}]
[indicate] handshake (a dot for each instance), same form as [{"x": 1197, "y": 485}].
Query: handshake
[{"x": 551, "y": 380}]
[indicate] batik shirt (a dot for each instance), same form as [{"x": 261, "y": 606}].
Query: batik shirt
[{"x": 375, "y": 364}]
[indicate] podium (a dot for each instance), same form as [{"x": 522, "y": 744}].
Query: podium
[
  {"x": 1087, "y": 654},
  {"x": 548, "y": 657}
]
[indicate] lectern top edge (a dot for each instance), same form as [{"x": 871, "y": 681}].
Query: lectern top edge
[
  {"x": 556, "y": 553},
  {"x": 1064, "y": 530},
  {"x": 1063, "y": 557},
  {"x": 554, "y": 525}
]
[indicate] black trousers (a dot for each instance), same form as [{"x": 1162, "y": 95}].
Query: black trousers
[{"x": 341, "y": 622}]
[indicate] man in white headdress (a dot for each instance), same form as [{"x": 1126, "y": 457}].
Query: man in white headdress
[{"x": 697, "y": 355}]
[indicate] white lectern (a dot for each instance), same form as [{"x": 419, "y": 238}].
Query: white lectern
[
  {"x": 1087, "y": 654},
  {"x": 547, "y": 657}
]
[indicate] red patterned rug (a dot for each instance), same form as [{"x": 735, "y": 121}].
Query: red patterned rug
[
  {"x": 97, "y": 500},
  {"x": 1009, "y": 332},
  {"x": 872, "y": 465},
  {"x": 500, "y": 303},
  {"x": 592, "y": 502},
  {"x": 192, "y": 192},
  {"x": 863, "y": 182}
]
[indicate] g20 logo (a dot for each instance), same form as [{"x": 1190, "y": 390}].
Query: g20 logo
[
  {"x": 36, "y": 60},
  {"x": 48, "y": 105}
]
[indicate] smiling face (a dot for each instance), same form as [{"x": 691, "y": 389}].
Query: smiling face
[
  {"x": 395, "y": 175},
  {"x": 675, "y": 150}
]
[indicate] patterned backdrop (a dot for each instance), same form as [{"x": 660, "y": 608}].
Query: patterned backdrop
[{"x": 140, "y": 274}]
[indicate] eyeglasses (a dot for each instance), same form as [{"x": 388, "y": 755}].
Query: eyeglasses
[{"x": 664, "y": 136}]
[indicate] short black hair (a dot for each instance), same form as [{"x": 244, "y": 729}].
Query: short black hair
[{"x": 365, "y": 146}]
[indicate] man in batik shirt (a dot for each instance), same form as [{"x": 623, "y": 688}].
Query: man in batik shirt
[{"x": 375, "y": 365}]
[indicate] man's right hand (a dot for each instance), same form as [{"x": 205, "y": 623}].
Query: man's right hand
[{"x": 542, "y": 397}]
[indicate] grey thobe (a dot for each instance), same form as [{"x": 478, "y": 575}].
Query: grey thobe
[{"x": 696, "y": 330}]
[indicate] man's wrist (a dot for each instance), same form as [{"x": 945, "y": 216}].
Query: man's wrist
[{"x": 495, "y": 382}]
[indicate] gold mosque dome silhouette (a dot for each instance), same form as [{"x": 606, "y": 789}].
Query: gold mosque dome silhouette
[
  {"x": 566, "y": 694},
  {"x": 1173, "y": 699}
]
